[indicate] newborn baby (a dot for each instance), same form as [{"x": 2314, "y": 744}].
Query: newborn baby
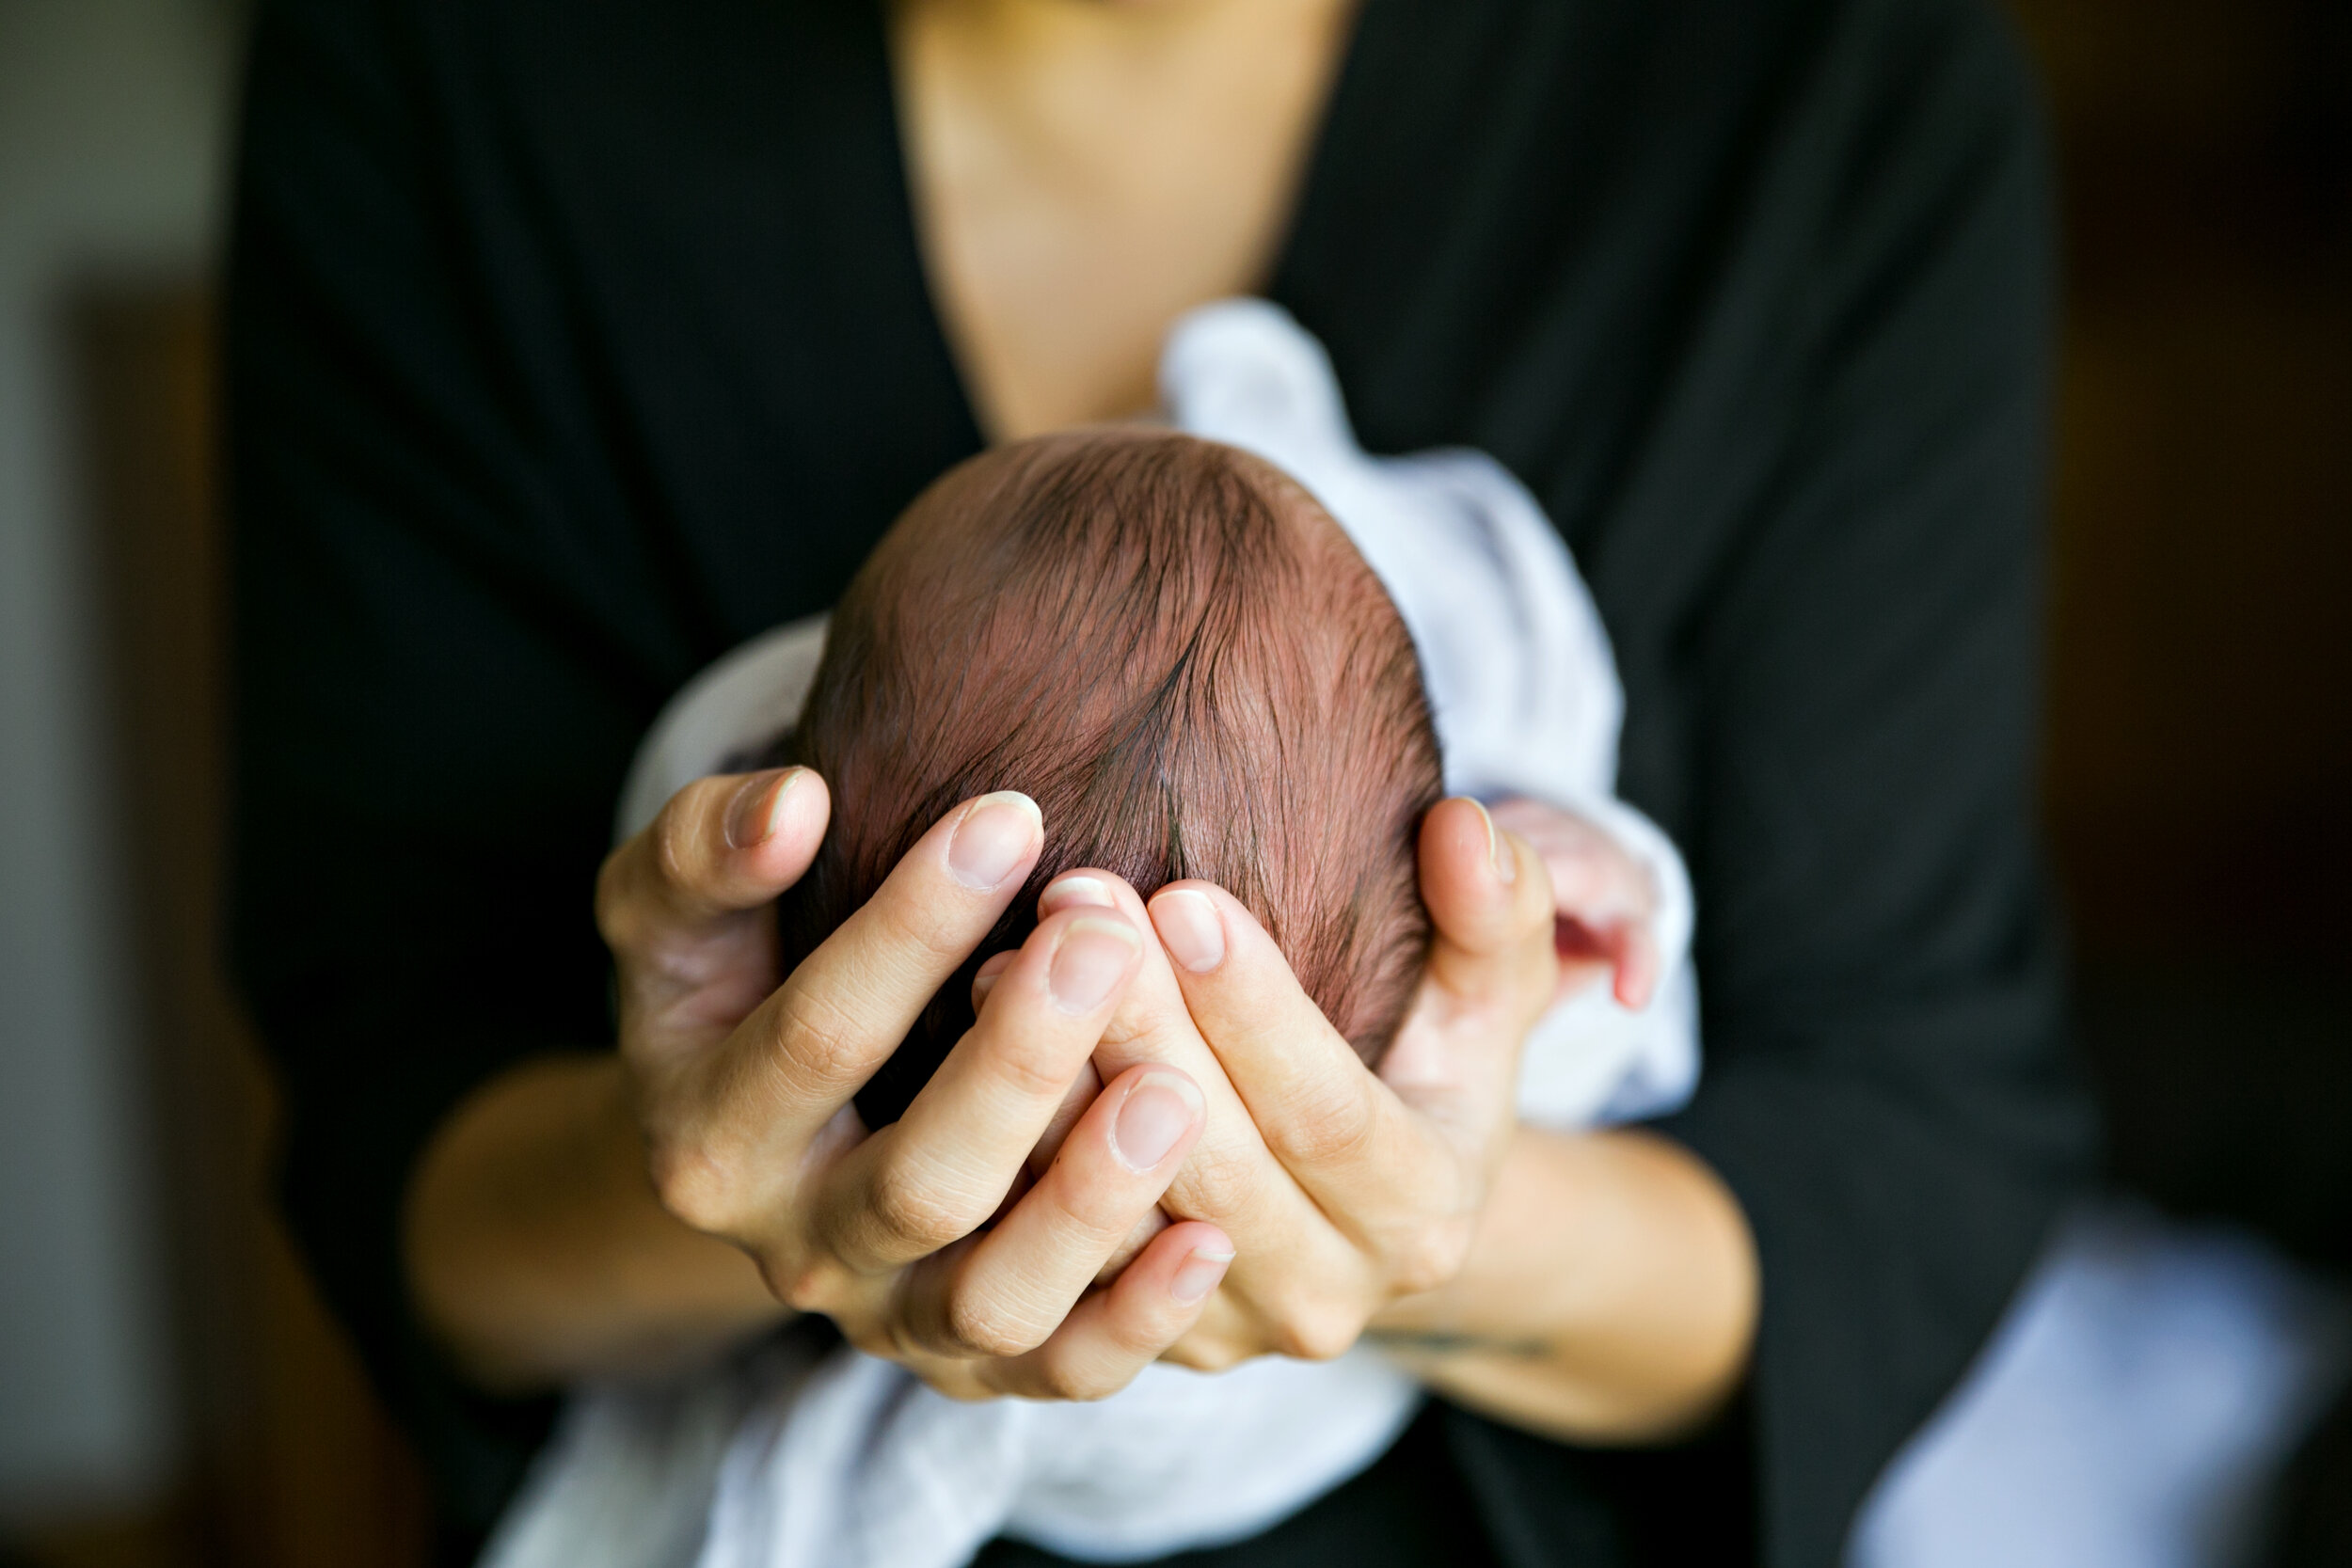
[
  {"x": 1173, "y": 649},
  {"x": 1259, "y": 670}
]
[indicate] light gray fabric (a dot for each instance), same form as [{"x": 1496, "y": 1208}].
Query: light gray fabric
[{"x": 2141, "y": 1393}]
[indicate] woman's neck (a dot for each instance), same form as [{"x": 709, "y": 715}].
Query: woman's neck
[{"x": 1085, "y": 171}]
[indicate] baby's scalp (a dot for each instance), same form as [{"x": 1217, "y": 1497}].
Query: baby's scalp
[{"x": 1179, "y": 654}]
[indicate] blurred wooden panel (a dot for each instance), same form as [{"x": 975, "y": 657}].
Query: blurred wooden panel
[
  {"x": 290, "y": 1463},
  {"x": 2200, "y": 762},
  {"x": 2200, "y": 756},
  {"x": 2199, "y": 768}
]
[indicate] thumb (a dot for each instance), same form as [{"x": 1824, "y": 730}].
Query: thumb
[{"x": 1490, "y": 902}]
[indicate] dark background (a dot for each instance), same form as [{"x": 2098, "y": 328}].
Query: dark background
[
  {"x": 2199, "y": 764},
  {"x": 2200, "y": 744}
]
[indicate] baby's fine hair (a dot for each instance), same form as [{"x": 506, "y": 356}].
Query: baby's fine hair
[{"x": 1180, "y": 657}]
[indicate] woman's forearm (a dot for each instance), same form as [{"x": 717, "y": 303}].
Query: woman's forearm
[
  {"x": 1610, "y": 1297},
  {"x": 537, "y": 1253}
]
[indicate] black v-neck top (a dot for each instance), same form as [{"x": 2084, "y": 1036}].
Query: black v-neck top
[{"x": 571, "y": 342}]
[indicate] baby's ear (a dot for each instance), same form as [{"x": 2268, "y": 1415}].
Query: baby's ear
[{"x": 1154, "y": 1004}]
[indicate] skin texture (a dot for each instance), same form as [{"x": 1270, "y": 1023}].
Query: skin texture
[
  {"x": 587, "y": 1216},
  {"x": 739, "y": 1088},
  {"x": 1085, "y": 173},
  {"x": 633, "y": 1211}
]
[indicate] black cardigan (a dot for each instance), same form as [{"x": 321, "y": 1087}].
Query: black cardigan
[{"x": 571, "y": 342}]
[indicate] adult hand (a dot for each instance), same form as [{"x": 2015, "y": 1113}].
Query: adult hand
[
  {"x": 743, "y": 1081},
  {"x": 1341, "y": 1190}
]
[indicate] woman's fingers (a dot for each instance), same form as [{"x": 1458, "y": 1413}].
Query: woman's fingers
[
  {"x": 720, "y": 847},
  {"x": 847, "y": 1006},
  {"x": 888, "y": 959},
  {"x": 1490, "y": 902},
  {"x": 985, "y": 977},
  {"x": 1388, "y": 1200},
  {"x": 788, "y": 1070},
  {"x": 941, "y": 1170},
  {"x": 1152, "y": 1223},
  {"x": 1074, "y": 1102},
  {"x": 1234, "y": 1180},
  {"x": 1116, "y": 1332},
  {"x": 1015, "y": 1287},
  {"x": 1492, "y": 971},
  {"x": 1345, "y": 1136},
  {"x": 1328, "y": 1121},
  {"x": 1394, "y": 1202}
]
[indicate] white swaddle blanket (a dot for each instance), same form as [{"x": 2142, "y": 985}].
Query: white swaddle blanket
[{"x": 788, "y": 1458}]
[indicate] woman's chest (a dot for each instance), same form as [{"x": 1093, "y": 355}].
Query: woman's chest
[
  {"x": 739, "y": 335},
  {"x": 1081, "y": 176}
]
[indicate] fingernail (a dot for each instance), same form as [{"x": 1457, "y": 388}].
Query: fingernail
[
  {"x": 1190, "y": 928},
  {"x": 1092, "y": 959},
  {"x": 994, "y": 839},
  {"x": 758, "y": 809},
  {"x": 1198, "y": 1275},
  {"x": 1069, "y": 891},
  {"x": 1506, "y": 865},
  {"x": 1158, "y": 1112}
]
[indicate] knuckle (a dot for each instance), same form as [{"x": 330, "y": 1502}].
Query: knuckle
[
  {"x": 911, "y": 1214},
  {"x": 1027, "y": 1065},
  {"x": 1083, "y": 1218},
  {"x": 1064, "y": 1380},
  {"x": 910, "y": 921},
  {"x": 1219, "y": 1184},
  {"x": 958, "y": 1384},
  {"x": 1319, "y": 1331},
  {"x": 695, "y": 1188},
  {"x": 623, "y": 920},
  {"x": 1430, "y": 1258},
  {"x": 975, "y": 1327},
  {"x": 1087, "y": 1388},
  {"x": 819, "y": 1037},
  {"x": 1336, "y": 1131},
  {"x": 806, "y": 1286},
  {"x": 1204, "y": 1356}
]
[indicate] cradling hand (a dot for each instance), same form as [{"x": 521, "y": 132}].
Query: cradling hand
[
  {"x": 743, "y": 1079},
  {"x": 1341, "y": 1190}
]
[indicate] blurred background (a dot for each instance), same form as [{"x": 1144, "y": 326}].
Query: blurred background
[{"x": 170, "y": 1394}]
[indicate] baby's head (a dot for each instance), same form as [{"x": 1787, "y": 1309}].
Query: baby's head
[{"x": 1173, "y": 649}]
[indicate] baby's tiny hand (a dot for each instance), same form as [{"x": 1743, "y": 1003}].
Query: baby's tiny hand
[{"x": 1605, "y": 899}]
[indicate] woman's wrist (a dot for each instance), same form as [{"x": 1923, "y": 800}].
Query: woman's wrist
[
  {"x": 537, "y": 1253},
  {"x": 1609, "y": 1294}
]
